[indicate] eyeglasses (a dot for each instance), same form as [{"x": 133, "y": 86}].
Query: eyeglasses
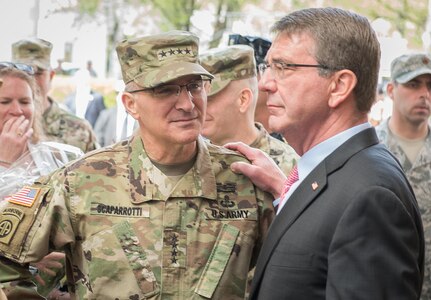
[
  {"x": 278, "y": 69},
  {"x": 22, "y": 67},
  {"x": 172, "y": 91}
]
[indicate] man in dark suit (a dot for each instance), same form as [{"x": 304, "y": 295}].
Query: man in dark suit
[{"x": 349, "y": 227}]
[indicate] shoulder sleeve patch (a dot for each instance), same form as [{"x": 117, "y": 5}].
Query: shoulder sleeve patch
[
  {"x": 10, "y": 219},
  {"x": 17, "y": 216}
]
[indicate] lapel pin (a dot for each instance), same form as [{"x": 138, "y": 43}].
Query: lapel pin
[{"x": 314, "y": 185}]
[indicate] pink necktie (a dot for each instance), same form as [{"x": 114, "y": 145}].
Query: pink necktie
[{"x": 291, "y": 179}]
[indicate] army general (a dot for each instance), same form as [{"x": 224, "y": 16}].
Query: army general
[{"x": 158, "y": 216}]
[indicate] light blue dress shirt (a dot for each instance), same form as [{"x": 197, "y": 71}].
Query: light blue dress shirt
[{"x": 317, "y": 154}]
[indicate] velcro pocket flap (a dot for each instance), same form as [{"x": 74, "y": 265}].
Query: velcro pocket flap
[
  {"x": 137, "y": 259},
  {"x": 217, "y": 261}
]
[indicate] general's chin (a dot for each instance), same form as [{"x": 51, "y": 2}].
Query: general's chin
[{"x": 187, "y": 137}]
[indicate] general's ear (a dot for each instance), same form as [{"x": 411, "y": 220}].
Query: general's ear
[
  {"x": 129, "y": 103},
  {"x": 342, "y": 85}
]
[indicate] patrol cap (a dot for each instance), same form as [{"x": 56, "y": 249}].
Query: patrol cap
[
  {"x": 227, "y": 64},
  {"x": 33, "y": 51},
  {"x": 153, "y": 60},
  {"x": 406, "y": 67}
]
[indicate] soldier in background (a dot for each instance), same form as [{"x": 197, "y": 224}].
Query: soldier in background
[
  {"x": 260, "y": 46},
  {"x": 407, "y": 135},
  {"x": 59, "y": 125},
  {"x": 232, "y": 103},
  {"x": 158, "y": 216}
]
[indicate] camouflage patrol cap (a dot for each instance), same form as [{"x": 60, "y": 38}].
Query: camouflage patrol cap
[
  {"x": 406, "y": 67},
  {"x": 33, "y": 51},
  {"x": 227, "y": 64},
  {"x": 152, "y": 60}
]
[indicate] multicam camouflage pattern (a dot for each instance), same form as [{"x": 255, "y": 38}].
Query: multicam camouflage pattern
[
  {"x": 129, "y": 233},
  {"x": 33, "y": 51},
  {"x": 279, "y": 151},
  {"x": 61, "y": 126},
  {"x": 152, "y": 60},
  {"x": 406, "y": 67},
  {"x": 419, "y": 176},
  {"x": 227, "y": 64}
]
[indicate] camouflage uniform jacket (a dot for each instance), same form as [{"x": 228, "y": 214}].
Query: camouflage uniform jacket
[
  {"x": 64, "y": 127},
  {"x": 279, "y": 151},
  {"x": 419, "y": 175},
  {"x": 129, "y": 234}
]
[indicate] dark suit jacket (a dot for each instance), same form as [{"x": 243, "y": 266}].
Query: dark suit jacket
[{"x": 351, "y": 230}]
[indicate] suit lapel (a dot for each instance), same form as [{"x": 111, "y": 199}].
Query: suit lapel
[
  {"x": 306, "y": 193},
  {"x": 297, "y": 203}
]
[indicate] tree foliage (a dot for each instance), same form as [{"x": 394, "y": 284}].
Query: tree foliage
[
  {"x": 176, "y": 12},
  {"x": 409, "y": 17},
  {"x": 89, "y": 7}
]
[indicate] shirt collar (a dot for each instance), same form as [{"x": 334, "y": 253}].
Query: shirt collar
[{"x": 318, "y": 153}]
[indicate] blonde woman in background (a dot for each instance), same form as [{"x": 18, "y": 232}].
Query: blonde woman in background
[{"x": 24, "y": 155}]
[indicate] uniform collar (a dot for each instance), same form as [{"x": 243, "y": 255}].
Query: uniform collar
[{"x": 149, "y": 183}]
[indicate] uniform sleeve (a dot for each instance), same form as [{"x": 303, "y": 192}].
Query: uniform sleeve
[
  {"x": 266, "y": 215},
  {"x": 33, "y": 222},
  {"x": 16, "y": 281},
  {"x": 376, "y": 250}
]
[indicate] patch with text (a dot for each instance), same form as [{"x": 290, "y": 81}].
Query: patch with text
[
  {"x": 9, "y": 221},
  {"x": 120, "y": 211}
]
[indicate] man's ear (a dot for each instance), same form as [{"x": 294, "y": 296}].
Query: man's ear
[
  {"x": 245, "y": 99},
  {"x": 390, "y": 89},
  {"x": 341, "y": 88},
  {"x": 129, "y": 103},
  {"x": 51, "y": 75}
]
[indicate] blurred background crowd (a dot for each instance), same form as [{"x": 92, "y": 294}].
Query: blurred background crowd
[{"x": 84, "y": 34}]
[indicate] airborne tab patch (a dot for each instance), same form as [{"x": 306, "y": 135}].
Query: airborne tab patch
[
  {"x": 10, "y": 218},
  {"x": 24, "y": 197}
]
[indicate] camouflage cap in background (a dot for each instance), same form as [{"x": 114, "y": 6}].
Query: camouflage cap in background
[
  {"x": 406, "y": 67},
  {"x": 153, "y": 60},
  {"x": 33, "y": 51},
  {"x": 228, "y": 63}
]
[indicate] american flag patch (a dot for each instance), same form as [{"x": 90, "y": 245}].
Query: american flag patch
[{"x": 25, "y": 196}]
